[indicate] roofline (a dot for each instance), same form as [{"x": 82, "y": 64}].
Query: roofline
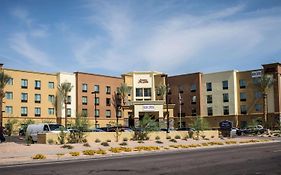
[
  {"x": 100, "y": 75},
  {"x": 270, "y": 64},
  {"x": 187, "y": 74},
  {"x": 44, "y": 73}
]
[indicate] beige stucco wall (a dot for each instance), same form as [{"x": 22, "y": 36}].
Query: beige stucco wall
[
  {"x": 217, "y": 92},
  {"x": 45, "y": 91}
]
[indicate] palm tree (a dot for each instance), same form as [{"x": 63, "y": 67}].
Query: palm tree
[
  {"x": 123, "y": 91},
  {"x": 55, "y": 104},
  {"x": 263, "y": 84},
  {"x": 4, "y": 79},
  {"x": 161, "y": 91},
  {"x": 64, "y": 89}
]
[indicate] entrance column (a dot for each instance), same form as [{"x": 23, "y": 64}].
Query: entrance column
[{"x": 136, "y": 118}]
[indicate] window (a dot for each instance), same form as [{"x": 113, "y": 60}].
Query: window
[
  {"x": 209, "y": 99},
  {"x": 107, "y": 90},
  {"x": 258, "y": 107},
  {"x": 108, "y": 113},
  {"x": 51, "y": 85},
  {"x": 119, "y": 114},
  {"x": 23, "y": 97},
  {"x": 193, "y": 88},
  {"x": 68, "y": 99},
  {"x": 193, "y": 111},
  {"x": 97, "y": 101},
  {"x": 147, "y": 92},
  {"x": 51, "y": 111},
  {"x": 193, "y": 100},
  {"x": 226, "y": 110},
  {"x": 210, "y": 111},
  {"x": 51, "y": 98},
  {"x": 84, "y": 87},
  {"x": 84, "y": 100},
  {"x": 181, "y": 89},
  {"x": 97, "y": 113},
  {"x": 24, "y": 83},
  {"x": 225, "y": 97},
  {"x": 225, "y": 84},
  {"x": 108, "y": 102},
  {"x": 243, "y": 96},
  {"x": 68, "y": 112},
  {"x": 243, "y": 109},
  {"x": 139, "y": 92},
  {"x": 37, "y": 84},
  {"x": 97, "y": 88},
  {"x": 37, "y": 98},
  {"x": 10, "y": 81},
  {"x": 242, "y": 84},
  {"x": 209, "y": 86},
  {"x": 37, "y": 112},
  {"x": 256, "y": 80},
  {"x": 85, "y": 112},
  {"x": 23, "y": 111},
  {"x": 9, "y": 109},
  {"x": 9, "y": 95},
  {"x": 258, "y": 95}
]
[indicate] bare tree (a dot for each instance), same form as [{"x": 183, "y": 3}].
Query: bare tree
[{"x": 64, "y": 89}]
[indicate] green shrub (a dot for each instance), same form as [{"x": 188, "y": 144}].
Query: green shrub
[
  {"x": 39, "y": 156},
  {"x": 62, "y": 136},
  {"x": 97, "y": 141},
  {"x": 157, "y": 138},
  {"x": 67, "y": 146},
  {"x": 50, "y": 141},
  {"x": 173, "y": 140},
  {"x": 190, "y": 134},
  {"x": 104, "y": 144},
  {"x": 74, "y": 154},
  {"x": 168, "y": 137},
  {"x": 89, "y": 152},
  {"x": 177, "y": 137},
  {"x": 108, "y": 140},
  {"x": 100, "y": 151},
  {"x": 159, "y": 142}
]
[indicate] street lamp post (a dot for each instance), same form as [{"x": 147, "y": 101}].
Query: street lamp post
[
  {"x": 180, "y": 101},
  {"x": 95, "y": 107}
]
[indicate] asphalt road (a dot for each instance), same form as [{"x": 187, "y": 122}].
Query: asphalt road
[{"x": 237, "y": 160}]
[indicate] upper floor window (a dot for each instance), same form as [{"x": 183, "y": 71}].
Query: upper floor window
[
  {"x": 9, "y": 109},
  {"x": 193, "y": 100},
  {"x": 225, "y": 84},
  {"x": 258, "y": 107},
  {"x": 147, "y": 92},
  {"x": 85, "y": 112},
  {"x": 243, "y": 96},
  {"x": 37, "y": 84},
  {"x": 51, "y": 85},
  {"x": 10, "y": 81},
  {"x": 209, "y": 86},
  {"x": 51, "y": 98},
  {"x": 97, "y": 88},
  {"x": 108, "y": 113},
  {"x": 209, "y": 99},
  {"x": 225, "y": 97},
  {"x": 139, "y": 92},
  {"x": 23, "y": 111},
  {"x": 210, "y": 111},
  {"x": 226, "y": 110},
  {"x": 68, "y": 112},
  {"x": 84, "y": 87},
  {"x": 9, "y": 95},
  {"x": 193, "y": 112},
  {"x": 97, "y": 101},
  {"x": 51, "y": 111},
  {"x": 24, "y": 97},
  {"x": 193, "y": 88},
  {"x": 243, "y": 109},
  {"x": 84, "y": 100},
  {"x": 37, "y": 111},
  {"x": 108, "y": 101},
  {"x": 258, "y": 95},
  {"x": 107, "y": 90},
  {"x": 242, "y": 84},
  {"x": 24, "y": 83},
  {"x": 68, "y": 100},
  {"x": 97, "y": 113},
  {"x": 37, "y": 98},
  {"x": 181, "y": 89}
]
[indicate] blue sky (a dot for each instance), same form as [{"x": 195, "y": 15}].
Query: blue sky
[{"x": 114, "y": 37}]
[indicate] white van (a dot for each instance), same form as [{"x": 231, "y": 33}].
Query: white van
[{"x": 34, "y": 129}]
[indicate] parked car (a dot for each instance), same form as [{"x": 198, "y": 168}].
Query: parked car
[
  {"x": 259, "y": 129},
  {"x": 33, "y": 130},
  {"x": 96, "y": 130},
  {"x": 185, "y": 129}
]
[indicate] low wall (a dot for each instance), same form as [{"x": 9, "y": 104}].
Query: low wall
[{"x": 104, "y": 136}]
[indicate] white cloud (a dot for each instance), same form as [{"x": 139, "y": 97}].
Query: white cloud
[{"x": 20, "y": 44}]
